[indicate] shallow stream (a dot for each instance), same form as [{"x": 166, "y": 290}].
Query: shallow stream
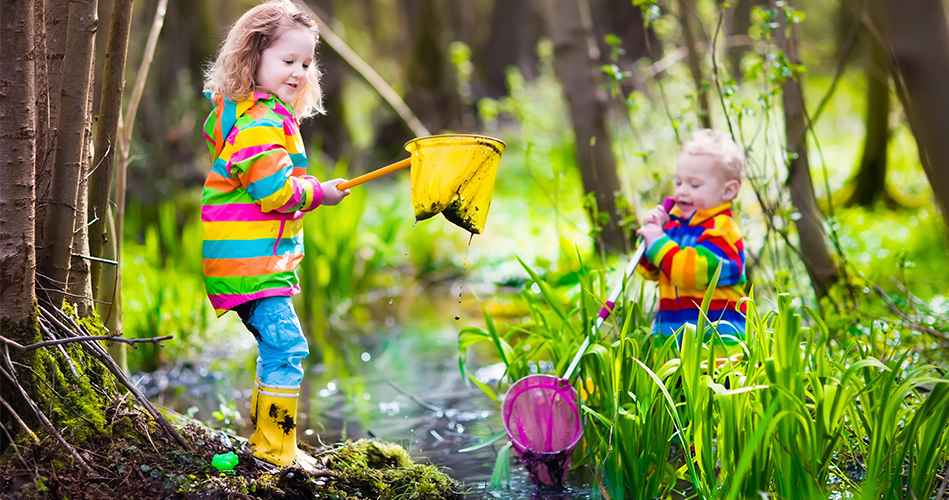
[{"x": 404, "y": 387}]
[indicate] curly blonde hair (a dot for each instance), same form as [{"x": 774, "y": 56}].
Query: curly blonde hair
[
  {"x": 720, "y": 146},
  {"x": 233, "y": 71}
]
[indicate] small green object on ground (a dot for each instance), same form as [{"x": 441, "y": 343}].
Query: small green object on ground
[{"x": 225, "y": 462}]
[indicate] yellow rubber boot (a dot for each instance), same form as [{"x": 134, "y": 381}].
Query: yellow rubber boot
[{"x": 274, "y": 412}]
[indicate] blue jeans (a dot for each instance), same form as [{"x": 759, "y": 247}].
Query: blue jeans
[{"x": 281, "y": 345}]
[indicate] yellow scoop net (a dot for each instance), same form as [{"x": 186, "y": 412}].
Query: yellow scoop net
[{"x": 452, "y": 174}]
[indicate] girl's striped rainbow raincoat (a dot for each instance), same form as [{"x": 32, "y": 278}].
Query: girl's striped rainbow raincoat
[{"x": 254, "y": 200}]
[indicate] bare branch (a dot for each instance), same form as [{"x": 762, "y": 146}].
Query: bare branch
[
  {"x": 20, "y": 421},
  {"x": 109, "y": 338},
  {"x": 909, "y": 322},
  {"x": 39, "y": 414}
]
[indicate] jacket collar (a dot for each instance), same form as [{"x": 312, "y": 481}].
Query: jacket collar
[
  {"x": 227, "y": 112},
  {"x": 700, "y": 216}
]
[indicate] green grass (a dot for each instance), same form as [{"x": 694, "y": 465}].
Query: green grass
[{"x": 797, "y": 408}]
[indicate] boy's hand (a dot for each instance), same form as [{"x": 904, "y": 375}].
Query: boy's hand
[
  {"x": 332, "y": 195},
  {"x": 650, "y": 233},
  {"x": 657, "y": 215}
]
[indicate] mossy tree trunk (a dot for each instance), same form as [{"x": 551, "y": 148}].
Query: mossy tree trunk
[{"x": 58, "y": 381}]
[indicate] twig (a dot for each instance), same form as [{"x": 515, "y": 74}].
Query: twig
[
  {"x": 39, "y": 414},
  {"x": 16, "y": 417},
  {"x": 912, "y": 324},
  {"x": 97, "y": 259},
  {"x": 16, "y": 449},
  {"x": 50, "y": 334},
  {"x": 100, "y": 354},
  {"x": 942, "y": 487},
  {"x": 87, "y": 338},
  {"x": 423, "y": 404}
]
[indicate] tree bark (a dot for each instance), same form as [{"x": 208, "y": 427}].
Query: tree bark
[
  {"x": 55, "y": 18},
  {"x": 110, "y": 107},
  {"x": 739, "y": 26},
  {"x": 79, "y": 286},
  {"x": 53, "y": 260},
  {"x": 818, "y": 260},
  {"x": 515, "y": 30},
  {"x": 917, "y": 35},
  {"x": 870, "y": 181},
  {"x": 44, "y": 138},
  {"x": 691, "y": 28},
  {"x": 576, "y": 63},
  {"x": 18, "y": 147}
]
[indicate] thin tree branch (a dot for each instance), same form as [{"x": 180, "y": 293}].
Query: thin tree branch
[
  {"x": 39, "y": 414},
  {"x": 368, "y": 73},
  {"x": 20, "y": 421},
  {"x": 100, "y": 354},
  {"x": 109, "y": 338},
  {"x": 909, "y": 322}
]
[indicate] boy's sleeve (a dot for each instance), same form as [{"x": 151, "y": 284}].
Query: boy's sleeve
[
  {"x": 265, "y": 169},
  {"x": 647, "y": 270},
  {"x": 692, "y": 268}
]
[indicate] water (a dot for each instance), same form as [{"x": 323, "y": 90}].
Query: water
[{"x": 403, "y": 385}]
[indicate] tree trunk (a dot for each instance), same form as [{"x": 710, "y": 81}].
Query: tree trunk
[
  {"x": 55, "y": 17},
  {"x": 44, "y": 138},
  {"x": 17, "y": 144},
  {"x": 739, "y": 26},
  {"x": 691, "y": 29},
  {"x": 917, "y": 33},
  {"x": 576, "y": 63},
  {"x": 53, "y": 259},
  {"x": 818, "y": 260},
  {"x": 110, "y": 107},
  {"x": 871, "y": 176},
  {"x": 79, "y": 286},
  {"x": 515, "y": 30}
]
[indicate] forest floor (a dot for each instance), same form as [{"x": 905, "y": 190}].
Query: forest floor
[{"x": 136, "y": 460}]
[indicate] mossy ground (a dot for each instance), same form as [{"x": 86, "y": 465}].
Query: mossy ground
[{"x": 133, "y": 459}]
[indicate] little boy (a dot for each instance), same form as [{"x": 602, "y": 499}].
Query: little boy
[{"x": 685, "y": 246}]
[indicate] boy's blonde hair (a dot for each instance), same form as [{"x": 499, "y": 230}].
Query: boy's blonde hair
[
  {"x": 233, "y": 72},
  {"x": 720, "y": 146}
]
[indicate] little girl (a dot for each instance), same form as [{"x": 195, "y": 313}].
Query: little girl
[{"x": 263, "y": 82}]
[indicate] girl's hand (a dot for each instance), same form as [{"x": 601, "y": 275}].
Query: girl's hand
[
  {"x": 332, "y": 195},
  {"x": 650, "y": 233}
]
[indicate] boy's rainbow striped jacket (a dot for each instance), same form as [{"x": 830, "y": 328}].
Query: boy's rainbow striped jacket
[
  {"x": 254, "y": 200},
  {"x": 684, "y": 261}
]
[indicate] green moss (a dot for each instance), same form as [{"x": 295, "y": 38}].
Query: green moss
[
  {"x": 377, "y": 469},
  {"x": 63, "y": 388}
]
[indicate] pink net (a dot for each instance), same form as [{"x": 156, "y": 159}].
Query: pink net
[{"x": 542, "y": 417}]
